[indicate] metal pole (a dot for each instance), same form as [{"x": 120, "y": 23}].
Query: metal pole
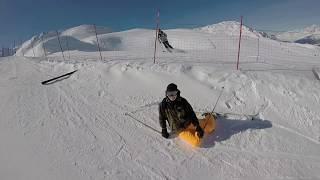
[
  {"x": 21, "y": 46},
  {"x": 60, "y": 46},
  {"x": 14, "y": 47},
  {"x": 155, "y": 41},
  {"x": 217, "y": 100},
  {"x": 258, "y": 49},
  {"x": 68, "y": 46},
  {"x": 34, "y": 55},
  {"x": 239, "y": 44},
  {"x": 95, "y": 30},
  {"x": 44, "y": 49}
]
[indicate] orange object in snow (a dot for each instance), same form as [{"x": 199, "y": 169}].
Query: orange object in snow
[{"x": 189, "y": 135}]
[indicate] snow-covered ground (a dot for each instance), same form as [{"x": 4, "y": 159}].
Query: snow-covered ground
[{"x": 77, "y": 128}]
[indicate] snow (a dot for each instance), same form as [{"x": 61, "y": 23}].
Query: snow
[
  {"x": 309, "y": 35},
  {"x": 231, "y": 28},
  {"x": 77, "y": 128}
]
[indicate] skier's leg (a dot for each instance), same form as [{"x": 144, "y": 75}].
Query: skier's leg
[
  {"x": 170, "y": 46},
  {"x": 166, "y": 44}
]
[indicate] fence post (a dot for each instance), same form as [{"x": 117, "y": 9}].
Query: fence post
[
  {"x": 60, "y": 46},
  {"x": 95, "y": 30},
  {"x": 14, "y": 47},
  {"x": 44, "y": 49},
  {"x": 34, "y": 55},
  {"x": 155, "y": 41},
  {"x": 68, "y": 46},
  {"x": 258, "y": 49},
  {"x": 20, "y": 47},
  {"x": 239, "y": 44}
]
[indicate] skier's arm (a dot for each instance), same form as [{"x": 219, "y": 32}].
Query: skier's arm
[
  {"x": 191, "y": 115},
  {"x": 162, "y": 120},
  {"x": 194, "y": 119}
]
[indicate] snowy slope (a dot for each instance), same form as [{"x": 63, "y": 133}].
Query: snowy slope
[
  {"x": 83, "y": 31},
  {"x": 232, "y": 28},
  {"x": 70, "y": 40},
  {"x": 219, "y": 38},
  {"x": 77, "y": 128}
]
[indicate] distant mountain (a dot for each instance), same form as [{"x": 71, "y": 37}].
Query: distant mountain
[
  {"x": 308, "y": 35},
  {"x": 312, "y": 39},
  {"x": 229, "y": 27}
]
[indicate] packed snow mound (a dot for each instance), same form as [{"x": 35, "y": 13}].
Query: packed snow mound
[
  {"x": 84, "y": 31},
  {"x": 229, "y": 27},
  {"x": 310, "y": 35}
]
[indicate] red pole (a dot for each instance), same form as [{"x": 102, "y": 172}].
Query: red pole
[
  {"x": 155, "y": 41},
  {"x": 239, "y": 44}
]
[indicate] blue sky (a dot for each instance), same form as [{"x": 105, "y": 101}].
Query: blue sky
[{"x": 20, "y": 19}]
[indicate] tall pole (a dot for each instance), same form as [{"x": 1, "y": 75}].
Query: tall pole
[
  {"x": 217, "y": 100},
  {"x": 95, "y": 30},
  {"x": 21, "y": 47},
  {"x": 60, "y": 46},
  {"x": 68, "y": 46},
  {"x": 239, "y": 44},
  {"x": 14, "y": 47},
  {"x": 34, "y": 55},
  {"x": 44, "y": 49},
  {"x": 258, "y": 49},
  {"x": 155, "y": 41}
]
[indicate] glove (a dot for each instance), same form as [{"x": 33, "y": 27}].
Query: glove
[
  {"x": 199, "y": 131},
  {"x": 165, "y": 133}
]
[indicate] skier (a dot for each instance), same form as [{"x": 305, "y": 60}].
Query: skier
[
  {"x": 162, "y": 37},
  {"x": 181, "y": 118}
]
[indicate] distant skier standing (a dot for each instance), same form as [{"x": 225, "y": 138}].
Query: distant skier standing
[
  {"x": 162, "y": 37},
  {"x": 181, "y": 118}
]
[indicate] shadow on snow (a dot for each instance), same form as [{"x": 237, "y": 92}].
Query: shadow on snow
[{"x": 229, "y": 127}]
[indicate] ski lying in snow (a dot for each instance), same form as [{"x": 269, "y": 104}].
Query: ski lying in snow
[{"x": 59, "y": 78}]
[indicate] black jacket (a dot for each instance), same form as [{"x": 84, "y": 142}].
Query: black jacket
[{"x": 178, "y": 113}]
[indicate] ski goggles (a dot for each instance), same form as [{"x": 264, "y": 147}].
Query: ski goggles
[{"x": 172, "y": 93}]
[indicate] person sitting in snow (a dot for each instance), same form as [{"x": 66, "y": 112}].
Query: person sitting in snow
[
  {"x": 162, "y": 36},
  {"x": 181, "y": 118}
]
